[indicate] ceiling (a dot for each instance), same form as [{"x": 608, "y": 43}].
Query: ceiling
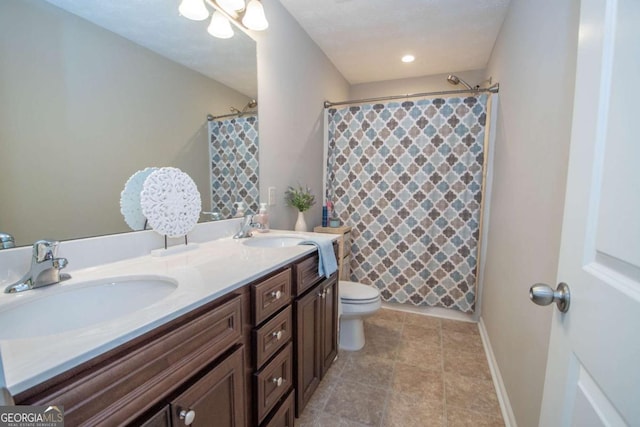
[
  {"x": 156, "y": 25},
  {"x": 365, "y": 39}
]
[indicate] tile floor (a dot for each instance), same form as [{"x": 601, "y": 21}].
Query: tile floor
[{"x": 413, "y": 371}]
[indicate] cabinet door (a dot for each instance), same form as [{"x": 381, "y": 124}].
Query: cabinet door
[
  {"x": 217, "y": 399},
  {"x": 307, "y": 364},
  {"x": 160, "y": 419},
  {"x": 329, "y": 323}
]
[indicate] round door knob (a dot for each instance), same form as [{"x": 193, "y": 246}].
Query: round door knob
[
  {"x": 277, "y": 381},
  {"x": 187, "y": 416},
  {"x": 277, "y": 335},
  {"x": 543, "y": 294}
]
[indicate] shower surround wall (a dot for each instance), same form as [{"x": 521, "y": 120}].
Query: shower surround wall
[
  {"x": 408, "y": 178},
  {"x": 233, "y": 152}
]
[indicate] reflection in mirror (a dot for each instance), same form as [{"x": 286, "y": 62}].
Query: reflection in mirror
[
  {"x": 233, "y": 151},
  {"x": 130, "y": 199},
  {"x": 84, "y": 108}
]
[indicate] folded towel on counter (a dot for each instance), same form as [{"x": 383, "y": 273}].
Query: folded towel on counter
[{"x": 327, "y": 263}]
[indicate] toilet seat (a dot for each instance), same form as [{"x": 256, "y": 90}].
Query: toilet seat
[
  {"x": 356, "y": 302},
  {"x": 357, "y": 293}
]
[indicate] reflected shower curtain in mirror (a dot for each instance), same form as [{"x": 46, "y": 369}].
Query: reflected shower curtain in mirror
[
  {"x": 233, "y": 152},
  {"x": 407, "y": 177}
]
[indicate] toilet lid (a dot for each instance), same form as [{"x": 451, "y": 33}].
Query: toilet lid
[{"x": 352, "y": 291}]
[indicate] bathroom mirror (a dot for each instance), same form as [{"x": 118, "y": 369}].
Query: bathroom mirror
[{"x": 93, "y": 91}]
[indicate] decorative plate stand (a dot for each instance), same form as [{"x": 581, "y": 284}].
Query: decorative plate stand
[
  {"x": 171, "y": 202},
  {"x": 130, "y": 199}
]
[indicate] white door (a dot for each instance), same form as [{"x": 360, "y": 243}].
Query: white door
[{"x": 593, "y": 368}]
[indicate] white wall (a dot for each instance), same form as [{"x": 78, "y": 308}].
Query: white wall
[
  {"x": 431, "y": 83},
  {"x": 534, "y": 61},
  {"x": 294, "y": 78}
]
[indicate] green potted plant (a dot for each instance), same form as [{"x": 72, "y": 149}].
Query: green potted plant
[{"x": 302, "y": 199}]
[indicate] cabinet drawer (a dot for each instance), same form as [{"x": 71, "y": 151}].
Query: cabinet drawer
[
  {"x": 306, "y": 272},
  {"x": 271, "y": 336},
  {"x": 283, "y": 416},
  {"x": 271, "y": 295},
  {"x": 273, "y": 381},
  {"x": 216, "y": 399}
]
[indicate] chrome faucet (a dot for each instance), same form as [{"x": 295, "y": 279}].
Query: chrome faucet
[
  {"x": 247, "y": 227},
  {"x": 45, "y": 268}
]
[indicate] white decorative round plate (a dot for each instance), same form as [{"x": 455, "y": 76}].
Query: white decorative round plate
[
  {"x": 171, "y": 202},
  {"x": 130, "y": 199}
]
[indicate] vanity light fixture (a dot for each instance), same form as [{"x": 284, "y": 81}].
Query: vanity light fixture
[
  {"x": 220, "y": 26},
  {"x": 230, "y": 6},
  {"x": 254, "y": 18},
  {"x": 194, "y": 10},
  {"x": 250, "y": 15},
  {"x": 408, "y": 58}
]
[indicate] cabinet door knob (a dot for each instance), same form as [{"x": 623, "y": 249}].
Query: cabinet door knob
[
  {"x": 277, "y": 335},
  {"x": 276, "y": 294},
  {"x": 277, "y": 381},
  {"x": 187, "y": 416}
]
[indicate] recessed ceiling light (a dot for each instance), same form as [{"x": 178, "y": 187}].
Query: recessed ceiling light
[{"x": 408, "y": 58}]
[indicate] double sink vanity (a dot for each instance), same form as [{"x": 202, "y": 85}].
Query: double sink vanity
[{"x": 235, "y": 332}]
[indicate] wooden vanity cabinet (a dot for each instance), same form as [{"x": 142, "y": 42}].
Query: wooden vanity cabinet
[
  {"x": 124, "y": 385},
  {"x": 252, "y": 357},
  {"x": 316, "y": 328}
]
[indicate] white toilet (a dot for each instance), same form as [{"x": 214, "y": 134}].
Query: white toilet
[{"x": 357, "y": 301}]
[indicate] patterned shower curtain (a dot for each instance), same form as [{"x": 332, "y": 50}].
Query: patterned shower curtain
[
  {"x": 407, "y": 177},
  {"x": 233, "y": 152}
]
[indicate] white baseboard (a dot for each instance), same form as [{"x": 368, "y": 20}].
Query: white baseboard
[{"x": 501, "y": 391}]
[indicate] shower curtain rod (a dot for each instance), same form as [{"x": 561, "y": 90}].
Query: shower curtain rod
[
  {"x": 211, "y": 118},
  {"x": 493, "y": 89}
]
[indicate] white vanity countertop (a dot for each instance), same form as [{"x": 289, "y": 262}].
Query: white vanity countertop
[{"x": 203, "y": 274}]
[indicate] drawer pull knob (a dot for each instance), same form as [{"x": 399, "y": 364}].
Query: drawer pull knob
[
  {"x": 276, "y": 294},
  {"x": 277, "y": 381},
  {"x": 187, "y": 416},
  {"x": 277, "y": 335}
]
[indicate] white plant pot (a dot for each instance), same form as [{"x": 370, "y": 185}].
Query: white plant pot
[{"x": 301, "y": 224}]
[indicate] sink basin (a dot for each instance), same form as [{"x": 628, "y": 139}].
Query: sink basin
[
  {"x": 80, "y": 305},
  {"x": 282, "y": 241}
]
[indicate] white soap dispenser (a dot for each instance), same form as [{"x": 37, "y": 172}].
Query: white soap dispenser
[
  {"x": 263, "y": 218},
  {"x": 239, "y": 210}
]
